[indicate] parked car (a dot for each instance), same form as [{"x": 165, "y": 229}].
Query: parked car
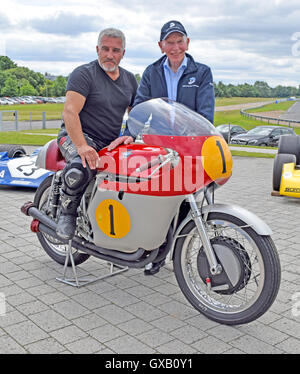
[
  {"x": 9, "y": 100},
  {"x": 41, "y": 99},
  {"x": 3, "y": 101},
  {"x": 16, "y": 100},
  {"x": 262, "y": 135},
  {"x": 28, "y": 100},
  {"x": 20, "y": 101},
  {"x": 60, "y": 99},
  {"x": 234, "y": 130},
  {"x": 51, "y": 100}
]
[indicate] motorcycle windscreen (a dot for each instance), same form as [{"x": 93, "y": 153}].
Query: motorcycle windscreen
[
  {"x": 167, "y": 117},
  {"x": 166, "y": 123}
]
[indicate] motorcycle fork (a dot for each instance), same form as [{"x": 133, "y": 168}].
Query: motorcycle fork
[{"x": 215, "y": 267}]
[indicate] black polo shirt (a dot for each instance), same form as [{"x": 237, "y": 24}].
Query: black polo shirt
[{"x": 106, "y": 100}]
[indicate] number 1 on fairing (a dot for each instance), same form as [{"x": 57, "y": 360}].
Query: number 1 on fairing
[
  {"x": 222, "y": 155},
  {"x": 112, "y": 226}
]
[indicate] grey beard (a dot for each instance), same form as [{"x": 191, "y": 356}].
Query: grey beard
[{"x": 109, "y": 70}]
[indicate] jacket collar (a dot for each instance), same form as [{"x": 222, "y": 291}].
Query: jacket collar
[{"x": 191, "y": 66}]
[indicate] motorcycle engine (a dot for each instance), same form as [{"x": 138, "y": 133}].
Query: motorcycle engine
[{"x": 235, "y": 262}]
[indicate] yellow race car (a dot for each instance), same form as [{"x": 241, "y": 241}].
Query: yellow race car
[{"x": 286, "y": 167}]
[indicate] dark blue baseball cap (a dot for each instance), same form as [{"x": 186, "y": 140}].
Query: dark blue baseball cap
[{"x": 171, "y": 26}]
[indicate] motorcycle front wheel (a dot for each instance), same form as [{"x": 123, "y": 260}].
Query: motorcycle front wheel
[
  {"x": 52, "y": 246},
  {"x": 250, "y": 277}
]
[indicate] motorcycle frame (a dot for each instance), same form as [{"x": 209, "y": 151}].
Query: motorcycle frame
[
  {"x": 215, "y": 267},
  {"x": 199, "y": 216}
]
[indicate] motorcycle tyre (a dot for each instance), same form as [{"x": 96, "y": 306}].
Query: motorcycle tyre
[
  {"x": 79, "y": 257},
  {"x": 271, "y": 282}
]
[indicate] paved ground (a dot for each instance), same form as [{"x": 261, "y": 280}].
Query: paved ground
[
  {"x": 293, "y": 113},
  {"x": 131, "y": 313},
  {"x": 23, "y": 125}
]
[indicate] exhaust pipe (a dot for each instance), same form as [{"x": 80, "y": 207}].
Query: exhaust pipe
[
  {"x": 46, "y": 225},
  {"x": 29, "y": 209}
]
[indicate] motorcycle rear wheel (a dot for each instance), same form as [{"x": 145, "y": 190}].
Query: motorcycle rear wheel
[
  {"x": 260, "y": 270},
  {"x": 56, "y": 250}
]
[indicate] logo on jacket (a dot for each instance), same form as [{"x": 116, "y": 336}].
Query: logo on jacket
[{"x": 190, "y": 83}]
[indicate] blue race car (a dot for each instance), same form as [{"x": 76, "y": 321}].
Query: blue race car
[{"x": 19, "y": 169}]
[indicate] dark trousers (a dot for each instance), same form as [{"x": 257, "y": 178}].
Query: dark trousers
[{"x": 74, "y": 161}]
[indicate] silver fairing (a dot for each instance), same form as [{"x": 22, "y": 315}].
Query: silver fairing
[{"x": 147, "y": 219}]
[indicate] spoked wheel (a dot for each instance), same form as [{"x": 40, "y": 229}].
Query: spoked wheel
[
  {"x": 53, "y": 247},
  {"x": 250, "y": 277}
]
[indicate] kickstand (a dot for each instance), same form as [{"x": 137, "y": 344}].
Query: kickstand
[{"x": 80, "y": 281}]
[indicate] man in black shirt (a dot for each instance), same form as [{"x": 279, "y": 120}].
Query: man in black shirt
[{"x": 97, "y": 97}]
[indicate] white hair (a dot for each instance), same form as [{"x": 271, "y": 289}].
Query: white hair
[{"x": 112, "y": 33}]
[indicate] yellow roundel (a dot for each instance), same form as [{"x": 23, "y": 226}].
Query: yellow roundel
[
  {"x": 216, "y": 158},
  {"x": 113, "y": 218}
]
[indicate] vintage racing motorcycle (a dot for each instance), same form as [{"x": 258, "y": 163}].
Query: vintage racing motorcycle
[{"x": 155, "y": 197}]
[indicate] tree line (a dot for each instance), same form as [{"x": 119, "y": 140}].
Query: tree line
[
  {"x": 258, "y": 89},
  {"x": 21, "y": 81}
]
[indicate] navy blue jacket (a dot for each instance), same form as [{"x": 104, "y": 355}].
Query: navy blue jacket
[{"x": 195, "y": 87}]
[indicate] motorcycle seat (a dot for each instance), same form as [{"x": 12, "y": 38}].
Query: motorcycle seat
[{"x": 54, "y": 159}]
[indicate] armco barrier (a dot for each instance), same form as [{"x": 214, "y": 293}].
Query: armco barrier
[{"x": 278, "y": 121}]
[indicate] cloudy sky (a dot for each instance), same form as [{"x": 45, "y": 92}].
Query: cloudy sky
[{"x": 241, "y": 40}]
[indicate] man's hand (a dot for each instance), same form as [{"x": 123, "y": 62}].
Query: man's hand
[
  {"x": 88, "y": 154},
  {"x": 119, "y": 141}
]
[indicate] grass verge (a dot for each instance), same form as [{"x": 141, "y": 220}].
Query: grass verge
[
  {"x": 252, "y": 146},
  {"x": 285, "y": 105},
  {"x": 252, "y": 154},
  {"x": 222, "y": 101},
  {"x": 33, "y": 111},
  {"x": 21, "y": 137}
]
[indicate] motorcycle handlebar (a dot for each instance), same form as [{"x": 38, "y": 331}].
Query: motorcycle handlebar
[{"x": 149, "y": 164}]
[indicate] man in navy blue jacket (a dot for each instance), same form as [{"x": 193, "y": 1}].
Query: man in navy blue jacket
[{"x": 177, "y": 76}]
